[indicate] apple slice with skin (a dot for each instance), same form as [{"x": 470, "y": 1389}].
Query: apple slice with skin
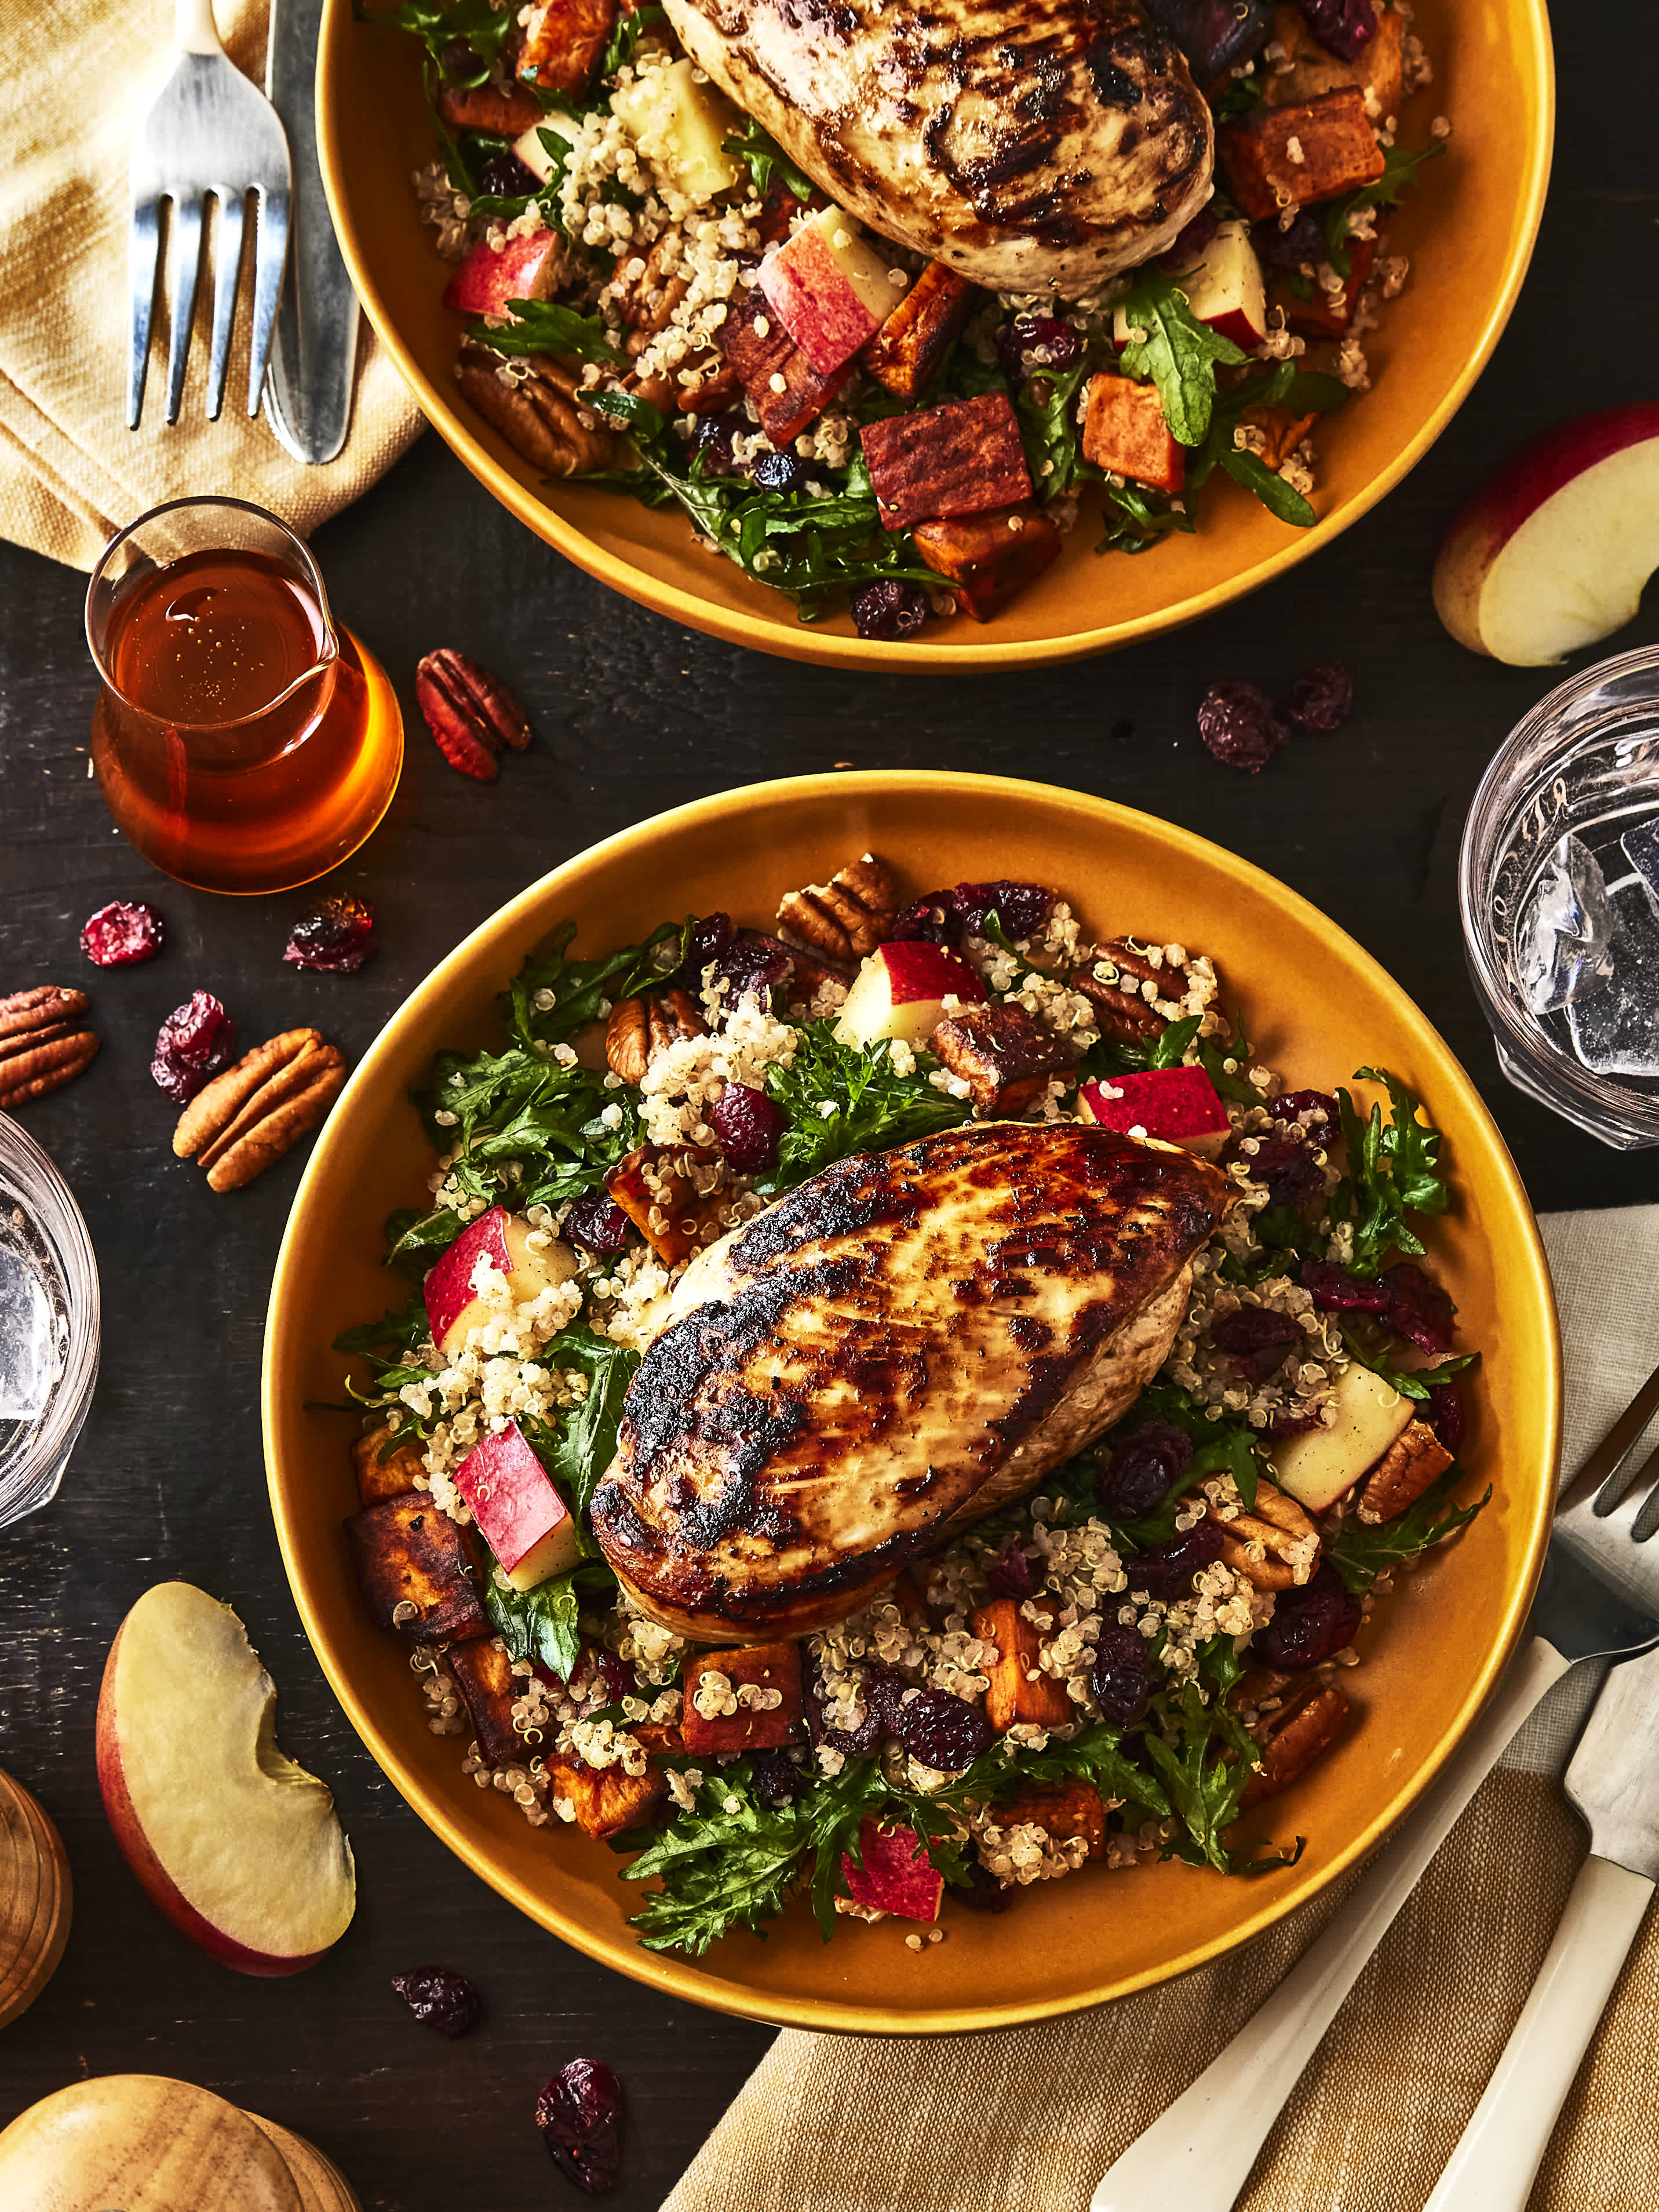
[
  {"x": 1224, "y": 285},
  {"x": 1553, "y": 552},
  {"x": 239, "y": 1846},
  {"x": 1321, "y": 1465},
  {"x": 905, "y": 991},
  {"x": 831, "y": 290},
  {"x": 1178, "y": 1105},
  {"x": 897, "y": 1876},
  {"x": 520, "y": 1516},
  {"x": 487, "y": 280},
  {"x": 454, "y": 1308}
]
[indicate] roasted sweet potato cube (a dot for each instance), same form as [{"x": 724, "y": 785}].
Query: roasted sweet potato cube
[
  {"x": 768, "y": 1667},
  {"x": 382, "y": 1474},
  {"x": 1280, "y": 157},
  {"x": 1019, "y": 1690},
  {"x": 1314, "y": 69},
  {"x": 563, "y": 42},
  {"x": 658, "y": 1735},
  {"x": 959, "y": 458},
  {"x": 415, "y": 1565},
  {"x": 1320, "y": 313},
  {"x": 779, "y": 208},
  {"x": 604, "y": 1799},
  {"x": 1073, "y": 1809},
  {"x": 654, "y": 1186},
  {"x": 1004, "y": 1057},
  {"x": 1283, "y": 431},
  {"x": 915, "y": 339},
  {"x": 989, "y": 558},
  {"x": 506, "y": 114},
  {"x": 789, "y": 392},
  {"x": 1124, "y": 433},
  {"x": 484, "y": 1675}
]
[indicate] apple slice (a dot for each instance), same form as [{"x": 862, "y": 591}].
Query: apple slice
[
  {"x": 831, "y": 291},
  {"x": 1551, "y": 553},
  {"x": 897, "y": 1876},
  {"x": 239, "y": 1846},
  {"x": 532, "y": 151},
  {"x": 1320, "y": 1466},
  {"x": 1179, "y": 1105},
  {"x": 1224, "y": 289},
  {"x": 905, "y": 991},
  {"x": 520, "y": 1516},
  {"x": 499, "y": 1241},
  {"x": 487, "y": 280}
]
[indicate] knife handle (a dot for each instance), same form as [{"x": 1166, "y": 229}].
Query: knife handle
[{"x": 1494, "y": 2165}]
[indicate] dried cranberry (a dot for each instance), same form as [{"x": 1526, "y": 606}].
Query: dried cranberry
[
  {"x": 1193, "y": 240},
  {"x": 1403, "y": 1299},
  {"x": 1446, "y": 1415},
  {"x": 1121, "y": 1679},
  {"x": 1322, "y": 697},
  {"x": 1033, "y": 343},
  {"x": 747, "y": 1127},
  {"x": 580, "y": 2114},
  {"x": 777, "y": 1777},
  {"x": 1310, "y": 1624},
  {"x": 1240, "y": 724},
  {"x": 1347, "y": 27},
  {"x": 1288, "y": 1169},
  {"x": 981, "y": 1891},
  {"x": 1010, "y": 1574},
  {"x": 1256, "y": 1339},
  {"x": 930, "y": 920},
  {"x": 506, "y": 178},
  {"x": 441, "y": 1998},
  {"x": 889, "y": 608},
  {"x": 195, "y": 1041},
  {"x": 716, "y": 434},
  {"x": 543, "y": 1673},
  {"x": 1302, "y": 244},
  {"x": 337, "y": 938},
  {"x": 1022, "y": 908},
  {"x": 1136, "y": 1478},
  {"x": 597, "y": 1223},
  {"x": 121, "y": 934},
  {"x": 1167, "y": 1571},
  {"x": 779, "y": 472},
  {"x": 1305, "y": 1108},
  {"x": 941, "y": 1731},
  {"x": 753, "y": 967},
  {"x": 710, "y": 936},
  {"x": 617, "y": 1676},
  {"x": 883, "y": 1686}
]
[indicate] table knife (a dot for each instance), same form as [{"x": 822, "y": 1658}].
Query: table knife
[
  {"x": 1614, "y": 1780},
  {"x": 313, "y": 358}
]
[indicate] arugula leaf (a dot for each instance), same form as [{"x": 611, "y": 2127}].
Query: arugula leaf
[
  {"x": 1204, "y": 1784},
  {"x": 577, "y": 988},
  {"x": 765, "y": 156},
  {"x": 586, "y": 1441},
  {"x": 1414, "y": 1383},
  {"x": 625, "y": 39},
  {"x": 1137, "y": 519},
  {"x": 1393, "y": 1168},
  {"x": 1278, "y": 497},
  {"x": 444, "y": 26},
  {"x": 1170, "y": 1049},
  {"x": 1399, "y": 170},
  {"x": 1179, "y": 354},
  {"x": 875, "y": 1108},
  {"x": 1219, "y": 1448},
  {"x": 544, "y": 1623},
  {"x": 1114, "y": 1056},
  {"x": 397, "y": 1332},
  {"x": 1092, "y": 1755},
  {"x": 1046, "y": 407},
  {"x": 1360, "y": 1551},
  {"x": 543, "y": 326}
]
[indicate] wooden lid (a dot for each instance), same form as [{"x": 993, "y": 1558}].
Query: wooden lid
[
  {"x": 35, "y": 1897},
  {"x": 146, "y": 2144},
  {"x": 323, "y": 2187}
]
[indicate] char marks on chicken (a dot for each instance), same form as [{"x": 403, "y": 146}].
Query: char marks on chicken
[{"x": 900, "y": 1346}]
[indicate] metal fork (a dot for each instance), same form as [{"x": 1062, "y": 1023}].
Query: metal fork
[
  {"x": 208, "y": 132},
  {"x": 1598, "y": 1598}
]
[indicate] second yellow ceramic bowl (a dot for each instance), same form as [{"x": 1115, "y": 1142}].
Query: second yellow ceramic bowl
[{"x": 1317, "y": 1007}]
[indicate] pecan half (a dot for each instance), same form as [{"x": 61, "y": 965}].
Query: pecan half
[
  {"x": 533, "y": 400},
  {"x": 1405, "y": 1471},
  {"x": 1002, "y": 1055},
  {"x": 471, "y": 713},
  {"x": 646, "y": 1025},
  {"x": 1274, "y": 1545},
  {"x": 846, "y": 917},
  {"x": 1135, "y": 995},
  {"x": 42, "y": 1046},
  {"x": 1299, "y": 1731},
  {"x": 249, "y": 1116}
]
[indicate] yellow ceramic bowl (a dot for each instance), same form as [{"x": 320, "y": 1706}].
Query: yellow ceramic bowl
[
  {"x": 1317, "y": 1007},
  {"x": 1469, "y": 233}
]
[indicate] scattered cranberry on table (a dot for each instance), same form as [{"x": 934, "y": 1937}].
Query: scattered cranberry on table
[
  {"x": 336, "y": 938},
  {"x": 195, "y": 1041},
  {"x": 1240, "y": 724},
  {"x": 441, "y": 1998},
  {"x": 580, "y": 2114},
  {"x": 122, "y": 933},
  {"x": 1322, "y": 697}
]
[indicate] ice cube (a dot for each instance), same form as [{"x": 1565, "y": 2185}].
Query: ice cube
[
  {"x": 1562, "y": 946},
  {"x": 1641, "y": 849},
  {"x": 28, "y": 1344},
  {"x": 1616, "y": 1030}
]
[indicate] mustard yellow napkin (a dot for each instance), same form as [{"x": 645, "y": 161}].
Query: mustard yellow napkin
[
  {"x": 73, "y": 78},
  {"x": 1029, "y": 2120}
]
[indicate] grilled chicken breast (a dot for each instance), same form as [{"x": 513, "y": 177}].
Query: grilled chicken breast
[
  {"x": 899, "y": 1347},
  {"x": 1034, "y": 145}
]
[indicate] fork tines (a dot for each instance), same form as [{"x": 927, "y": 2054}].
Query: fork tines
[{"x": 185, "y": 227}]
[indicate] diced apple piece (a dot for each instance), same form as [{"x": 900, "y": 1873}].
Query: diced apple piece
[
  {"x": 520, "y": 1516},
  {"x": 1323, "y": 1464},
  {"x": 768, "y": 1667},
  {"x": 237, "y": 1845},
  {"x": 487, "y": 280},
  {"x": 1223, "y": 286},
  {"x": 1012, "y": 1695},
  {"x": 897, "y": 1876},
  {"x": 902, "y": 991},
  {"x": 500, "y": 1241},
  {"x": 680, "y": 127},
  {"x": 830, "y": 287},
  {"x": 1177, "y": 1105},
  {"x": 531, "y": 150}
]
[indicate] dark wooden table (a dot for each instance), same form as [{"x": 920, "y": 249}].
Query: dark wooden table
[{"x": 632, "y": 715}]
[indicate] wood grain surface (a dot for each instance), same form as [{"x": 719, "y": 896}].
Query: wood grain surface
[{"x": 632, "y": 715}]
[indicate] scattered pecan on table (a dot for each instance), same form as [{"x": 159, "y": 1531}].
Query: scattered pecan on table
[
  {"x": 42, "y": 1043},
  {"x": 249, "y": 1116},
  {"x": 471, "y": 713}
]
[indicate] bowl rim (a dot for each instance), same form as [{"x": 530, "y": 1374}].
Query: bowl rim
[
  {"x": 682, "y": 1978},
  {"x": 824, "y": 648}
]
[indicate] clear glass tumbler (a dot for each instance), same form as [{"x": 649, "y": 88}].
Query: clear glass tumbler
[
  {"x": 1559, "y": 886},
  {"x": 242, "y": 740}
]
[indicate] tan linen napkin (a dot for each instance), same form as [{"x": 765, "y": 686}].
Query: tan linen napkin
[
  {"x": 74, "y": 77},
  {"x": 1028, "y": 2121}
]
